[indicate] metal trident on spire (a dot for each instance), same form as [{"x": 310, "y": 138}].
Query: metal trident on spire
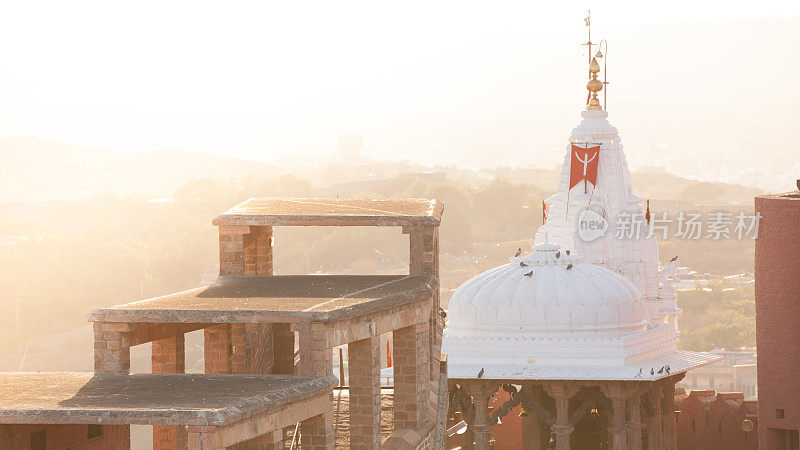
[
  {"x": 599, "y": 55},
  {"x": 588, "y": 43}
]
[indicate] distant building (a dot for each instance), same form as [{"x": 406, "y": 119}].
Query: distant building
[{"x": 735, "y": 373}]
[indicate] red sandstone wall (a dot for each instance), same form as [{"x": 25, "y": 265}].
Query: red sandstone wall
[
  {"x": 712, "y": 421},
  {"x": 63, "y": 437},
  {"x": 777, "y": 289}
]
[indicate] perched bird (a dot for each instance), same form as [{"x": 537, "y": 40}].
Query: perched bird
[
  {"x": 567, "y": 251},
  {"x": 522, "y": 264},
  {"x": 442, "y": 313},
  {"x": 661, "y": 370},
  {"x": 673, "y": 259},
  {"x": 652, "y": 372},
  {"x": 667, "y": 369},
  {"x": 569, "y": 266},
  {"x": 510, "y": 388},
  {"x": 529, "y": 274},
  {"x": 640, "y": 372},
  {"x": 798, "y": 184},
  {"x": 519, "y": 252},
  {"x": 480, "y": 374},
  {"x": 558, "y": 254}
]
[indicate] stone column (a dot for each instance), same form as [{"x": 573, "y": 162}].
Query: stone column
[
  {"x": 668, "y": 433},
  {"x": 562, "y": 391},
  {"x": 654, "y": 423},
  {"x": 635, "y": 425},
  {"x": 411, "y": 376},
  {"x": 364, "y": 359},
  {"x": 283, "y": 348},
  {"x": 617, "y": 392},
  {"x": 168, "y": 356},
  {"x": 317, "y": 432},
  {"x": 481, "y": 391},
  {"x": 532, "y": 426}
]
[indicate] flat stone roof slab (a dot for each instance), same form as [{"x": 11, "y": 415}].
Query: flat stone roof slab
[
  {"x": 332, "y": 211},
  {"x": 149, "y": 399},
  {"x": 235, "y": 299}
]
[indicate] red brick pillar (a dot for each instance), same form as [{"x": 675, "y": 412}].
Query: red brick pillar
[
  {"x": 411, "y": 376},
  {"x": 238, "y": 348},
  {"x": 283, "y": 348},
  {"x": 112, "y": 351},
  {"x": 258, "y": 251},
  {"x": 168, "y": 356},
  {"x": 245, "y": 250},
  {"x": 316, "y": 352},
  {"x": 231, "y": 249},
  {"x": 317, "y": 432},
  {"x": 217, "y": 349},
  {"x": 364, "y": 359},
  {"x": 424, "y": 260}
]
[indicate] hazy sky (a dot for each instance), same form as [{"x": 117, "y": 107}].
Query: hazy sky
[{"x": 431, "y": 79}]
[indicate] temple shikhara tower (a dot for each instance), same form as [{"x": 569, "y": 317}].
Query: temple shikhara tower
[{"x": 581, "y": 331}]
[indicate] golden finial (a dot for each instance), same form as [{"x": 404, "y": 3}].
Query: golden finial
[{"x": 594, "y": 85}]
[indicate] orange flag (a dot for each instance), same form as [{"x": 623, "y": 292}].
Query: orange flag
[{"x": 583, "y": 165}]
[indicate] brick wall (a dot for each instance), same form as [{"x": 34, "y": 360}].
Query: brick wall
[
  {"x": 63, "y": 437},
  {"x": 713, "y": 421},
  {"x": 777, "y": 291}
]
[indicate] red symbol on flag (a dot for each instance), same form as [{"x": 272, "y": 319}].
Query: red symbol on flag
[{"x": 583, "y": 165}]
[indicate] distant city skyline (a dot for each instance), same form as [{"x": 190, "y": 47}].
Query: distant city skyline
[{"x": 499, "y": 86}]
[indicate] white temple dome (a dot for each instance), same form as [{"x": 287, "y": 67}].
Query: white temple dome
[{"x": 547, "y": 291}]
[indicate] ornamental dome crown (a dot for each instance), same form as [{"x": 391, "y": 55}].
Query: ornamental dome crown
[{"x": 547, "y": 291}]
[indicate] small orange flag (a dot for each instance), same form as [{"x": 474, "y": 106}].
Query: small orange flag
[{"x": 388, "y": 354}]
